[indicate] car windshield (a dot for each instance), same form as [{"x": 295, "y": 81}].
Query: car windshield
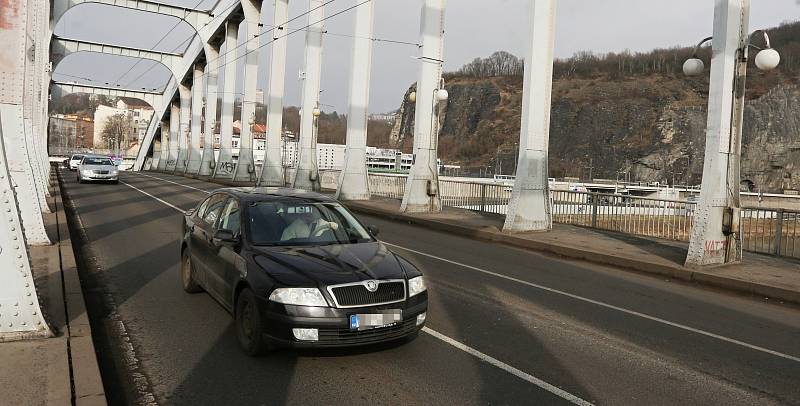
[
  {"x": 97, "y": 161},
  {"x": 303, "y": 223},
  {"x": 77, "y": 157}
]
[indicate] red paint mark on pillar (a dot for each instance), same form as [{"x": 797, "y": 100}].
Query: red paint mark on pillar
[
  {"x": 9, "y": 13},
  {"x": 715, "y": 248}
]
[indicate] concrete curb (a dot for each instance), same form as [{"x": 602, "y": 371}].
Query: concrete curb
[
  {"x": 87, "y": 381},
  {"x": 602, "y": 258}
]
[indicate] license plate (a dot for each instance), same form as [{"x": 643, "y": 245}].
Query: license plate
[{"x": 368, "y": 321}]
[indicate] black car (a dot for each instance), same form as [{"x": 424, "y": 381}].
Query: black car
[{"x": 297, "y": 269}]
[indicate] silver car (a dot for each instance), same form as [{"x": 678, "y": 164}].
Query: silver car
[
  {"x": 74, "y": 161},
  {"x": 97, "y": 168}
]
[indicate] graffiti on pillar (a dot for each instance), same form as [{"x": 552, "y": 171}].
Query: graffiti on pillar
[
  {"x": 714, "y": 248},
  {"x": 226, "y": 167}
]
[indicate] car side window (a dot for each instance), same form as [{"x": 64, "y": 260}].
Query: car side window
[
  {"x": 230, "y": 219},
  {"x": 201, "y": 211},
  {"x": 214, "y": 208}
]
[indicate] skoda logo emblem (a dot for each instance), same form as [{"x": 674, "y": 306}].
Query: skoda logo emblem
[{"x": 371, "y": 285}]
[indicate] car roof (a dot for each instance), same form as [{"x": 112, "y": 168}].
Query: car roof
[{"x": 254, "y": 194}]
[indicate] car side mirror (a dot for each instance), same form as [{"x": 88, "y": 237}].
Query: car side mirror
[
  {"x": 225, "y": 236},
  {"x": 373, "y": 230}
]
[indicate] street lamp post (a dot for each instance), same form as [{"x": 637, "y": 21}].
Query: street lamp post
[{"x": 715, "y": 237}]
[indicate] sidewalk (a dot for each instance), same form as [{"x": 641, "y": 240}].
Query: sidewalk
[
  {"x": 61, "y": 370},
  {"x": 773, "y": 277}
]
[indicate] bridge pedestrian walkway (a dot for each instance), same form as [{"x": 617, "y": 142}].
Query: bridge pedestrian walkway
[
  {"x": 63, "y": 369},
  {"x": 760, "y": 275}
]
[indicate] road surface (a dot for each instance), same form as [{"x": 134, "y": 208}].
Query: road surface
[{"x": 505, "y": 326}]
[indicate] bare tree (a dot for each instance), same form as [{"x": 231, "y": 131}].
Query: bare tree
[{"x": 116, "y": 131}]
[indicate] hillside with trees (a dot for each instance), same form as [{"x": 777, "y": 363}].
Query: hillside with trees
[{"x": 621, "y": 114}]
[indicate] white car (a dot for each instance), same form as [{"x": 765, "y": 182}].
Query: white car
[
  {"x": 97, "y": 168},
  {"x": 74, "y": 161}
]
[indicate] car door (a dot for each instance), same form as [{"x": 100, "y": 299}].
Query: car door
[
  {"x": 202, "y": 235},
  {"x": 193, "y": 240},
  {"x": 224, "y": 257}
]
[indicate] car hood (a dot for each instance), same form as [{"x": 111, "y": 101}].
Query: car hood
[{"x": 329, "y": 264}]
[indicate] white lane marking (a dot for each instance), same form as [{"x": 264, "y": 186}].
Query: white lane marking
[
  {"x": 606, "y": 305},
  {"x": 508, "y": 368},
  {"x": 156, "y": 198},
  {"x": 175, "y": 183},
  {"x": 461, "y": 346}
]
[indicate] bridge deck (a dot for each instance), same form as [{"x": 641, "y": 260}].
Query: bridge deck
[{"x": 528, "y": 323}]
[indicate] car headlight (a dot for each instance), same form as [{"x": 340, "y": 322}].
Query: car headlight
[
  {"x": 416, "y": 286},
  {"x": 86, "y": 172},
  {"x": 298, "y": 296}
]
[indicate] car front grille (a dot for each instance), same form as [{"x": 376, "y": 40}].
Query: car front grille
[
  {"x": 97, "y": 172},
  {"x": 345, "y": 336},
  {"x": 357, "y": 294}
]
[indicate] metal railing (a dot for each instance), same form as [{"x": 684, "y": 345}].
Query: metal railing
[
  {"x": 771, "y": 231},
  {"x": 391, "y": 186},
  {"x": 668, "y": 219},
  {"x": 481, "y": 197},
  {"x": 768, "y": 231}
]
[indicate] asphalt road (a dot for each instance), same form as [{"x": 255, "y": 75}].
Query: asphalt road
[{"x": 505, "y": 326}]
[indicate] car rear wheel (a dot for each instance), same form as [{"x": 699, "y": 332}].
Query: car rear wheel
[
  {"x": 249, "y": 326},
  {"x": 187, "y": 274}
]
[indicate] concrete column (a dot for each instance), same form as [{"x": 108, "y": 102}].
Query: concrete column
[
  {"x": 195, "y": 158},
  {"x": 529, "y": 208},
  {"x": 712, "y": 242},
  {"x": 353, "y": 181},
  {"x": 272, "y": 171},
  {"x": 422, "y": 187},
  {"x": 22, "y": 317},
  {"x": 163, "y": 155},
  {"x": 156, "y": 153},
  {"x": 224, "y": 167},
  {"x": 33, "y": 67},
  {"x": 174, "y": 134},
  {"x": 212, "y": 68},
  {"x": 185, "y": 93},
  {"x": 245, "y": 170},
  {"x": 307, "y": 174}
]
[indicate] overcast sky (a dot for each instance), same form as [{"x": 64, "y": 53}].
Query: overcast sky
[{"x": 474, "y": 28}]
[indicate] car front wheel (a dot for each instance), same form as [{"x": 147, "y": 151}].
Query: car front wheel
[
  {"x": 249, "y": 326},
  {"x": 187, "y": 274}
]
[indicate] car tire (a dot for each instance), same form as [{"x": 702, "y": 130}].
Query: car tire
[
  {"x": 249, "y": 325},
  {"x": 188, "y": 281}
]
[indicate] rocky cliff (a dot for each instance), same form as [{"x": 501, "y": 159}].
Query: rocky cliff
[{"x": 650, "y": 128}]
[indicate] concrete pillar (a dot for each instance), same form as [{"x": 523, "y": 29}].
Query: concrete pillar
[
  {"x": 422, "y": 187},
  {"x": 353, "y": 181},
  {"x": 174, "y": 134},
  {"x": 529, "y": 207},
  {"x": 33, "y": 67},
  {"x": 20, "y": 313},
  {"x": 307, "y": 174},
  {"x": 272, "y": 171},
  {"x": 212, "y": 68},
  {"x": 195, "y": 154},
  {"x": 185, "y": 106},
  {"x": 245, "y": 170},
  {"x": 224, "y": 167},
  {"x": 163, "y": 155},
  {"x": 713, "y": 242}
]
